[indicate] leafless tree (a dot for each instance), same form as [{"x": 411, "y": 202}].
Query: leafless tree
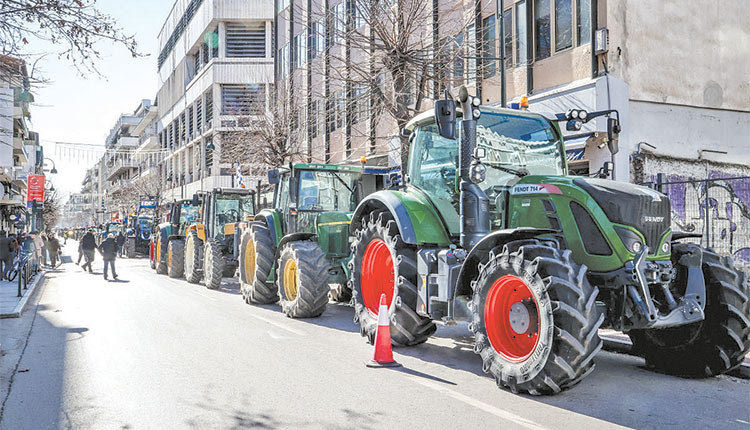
[
  {"x": 52, "y": 209},
  {"x": 270, "y": 140},
  {"x": 73, "y": 27},
  {"x": 393, "y": 56}
]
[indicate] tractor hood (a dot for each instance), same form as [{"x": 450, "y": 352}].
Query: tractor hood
[{"x": 646, "y": 210}]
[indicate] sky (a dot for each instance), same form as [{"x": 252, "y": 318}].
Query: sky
[{"x": 82, "y": 109}]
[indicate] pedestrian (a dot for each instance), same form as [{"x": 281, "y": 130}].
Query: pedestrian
[
  {"x": 65, "y": 238},
  {"x": 120, "y": 242},
  {"x": 80, "y": 253},
  {"x": 53, "y": 249},
  {"x": 43, "y": 235},
  {"x": 108, "y": 249},
  {"x": 38, "y": 249},
  {"x": 88, "y": 246},
  {"x": 6, "y": 254}
]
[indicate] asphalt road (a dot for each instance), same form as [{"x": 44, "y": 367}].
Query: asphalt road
[{"x": 151, "y": 352}]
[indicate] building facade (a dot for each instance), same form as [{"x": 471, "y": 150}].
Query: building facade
[
  {"x": 215, "y": 71},
  {"x": 21, "y": 154}
]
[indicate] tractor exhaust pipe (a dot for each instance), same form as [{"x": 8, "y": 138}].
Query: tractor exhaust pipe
[{"x": 474, "y": 205}]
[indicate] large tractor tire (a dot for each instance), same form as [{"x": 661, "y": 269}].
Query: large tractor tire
[
  {"x": 193, "y": 258},
  {"x": 383, "y": 264},
  {"x": 710, "y": 347},
  {"x": 152, "y": 254},
  {"x": 161, "y": 254},
  {"x": 213, "y": 264},
  {"x": 256, "y": 262},
  {"x": 130, "y": 247},
  {"x": 176, "y": 258},
  {"x": 302, "y": 279},
  {"x": 534, "y": 318}
]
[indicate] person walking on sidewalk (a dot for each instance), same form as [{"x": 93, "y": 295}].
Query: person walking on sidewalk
[
  {"x": 53, "y": 249},
  {"x": 80, "y": 253},
  {"x": 88, "y": 246},
  {"x": 108, "y": 249},
  {"x": 120, "y": 243},
  {"x": 6, "y": 254},
  {"x": 38, "y": 249}
]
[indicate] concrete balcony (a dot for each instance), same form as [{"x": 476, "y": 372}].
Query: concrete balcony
[
  {"x": 19, "y": 150},
  {"x": 116, "y": 168}
]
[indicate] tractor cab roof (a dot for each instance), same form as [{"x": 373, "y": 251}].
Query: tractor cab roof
[
  {"x": 329, "y": 167},
  {"x": 238, "y": 191},
  {"x": 429, "y": 115}
]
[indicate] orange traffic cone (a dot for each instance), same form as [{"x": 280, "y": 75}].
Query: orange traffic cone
[{"x": 383, "y": 356}]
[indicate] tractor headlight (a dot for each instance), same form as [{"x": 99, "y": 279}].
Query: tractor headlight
[
  {"x": 636, "y": 246},
  {"x": 665, "y": 247},
  {"x": 630, "y": 239},
  {"x": 478, "y": 172}
]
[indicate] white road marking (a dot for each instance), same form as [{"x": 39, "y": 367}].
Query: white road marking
[
  {"x": 509, "y": 416},
  {"x": 281, "y": 326}
]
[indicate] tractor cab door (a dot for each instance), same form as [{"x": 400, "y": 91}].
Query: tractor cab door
[{"x": 285, "y": 203}]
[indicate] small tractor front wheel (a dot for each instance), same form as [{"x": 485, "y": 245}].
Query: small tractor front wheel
[
  {"x": 193, "y": 257},
  {"x": 176, "y": 258},
  {"x": 710, "y": 347},
  {"x": 302, "y": 279},
  {"x": 383, "y": 264},
  {"x": 534, "y": 318},
  {"x": 256, "y": 262},
  {"x": 213, "y": 264},
  {"x": 161, "y": 260}
]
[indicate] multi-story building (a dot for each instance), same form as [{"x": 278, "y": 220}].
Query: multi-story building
[
  {"x": 215, "y": 71},
  {"x": 20, "y": 151},
  {"x": 92, "y": 191},
  {"x": 120, "y": 166},
  {"x": 676, "y": 105}
]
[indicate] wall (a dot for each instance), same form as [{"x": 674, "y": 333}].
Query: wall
[{"x": 6, "y": 127}]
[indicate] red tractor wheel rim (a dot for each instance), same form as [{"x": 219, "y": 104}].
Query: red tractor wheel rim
[
  {"x": 509, "y": 309},
  {"x": 377, "y": 276}
]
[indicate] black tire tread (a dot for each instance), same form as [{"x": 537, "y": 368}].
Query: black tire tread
[
  {"x": 194, "y": 259},
  {"x": 407, "y": 327},
  {"x": 177, "y": 268},
  {"x": 258, "y": 290},
  {"x": 576, "y": 321},
  {"x": 312, "y": 272},
  {"x": 213, "y": 264},
  {"x": 722, "y": 340}
]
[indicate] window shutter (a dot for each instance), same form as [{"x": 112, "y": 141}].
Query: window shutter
[{"x": 246, "y": 39}]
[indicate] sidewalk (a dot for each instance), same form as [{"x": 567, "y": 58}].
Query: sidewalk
[{"x": 11, "y": 305}]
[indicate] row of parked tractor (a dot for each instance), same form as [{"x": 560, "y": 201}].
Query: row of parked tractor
[{"x": 487, "y": 227}]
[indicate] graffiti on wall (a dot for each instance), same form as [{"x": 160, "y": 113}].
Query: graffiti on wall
[{"x": 717, "y": 208}]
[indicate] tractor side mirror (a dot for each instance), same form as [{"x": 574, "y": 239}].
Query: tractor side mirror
[
  {"x": 445, "y": 116},
  {"x": 196, "y": 200},
  {"x": 273, "y": 176},
  {"x": 613, "y": 132}
]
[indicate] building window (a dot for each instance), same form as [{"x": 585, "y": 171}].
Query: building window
[
  {"x": 300, "y": 50},
  {"x": 209, "y": 109},
  {"x": 563, "y": 24},
  {"x": 211, "y": 44},
  {"x": 340, "y": 109},
  {"x": 521, "y": 34},
  {"x": 190, "y": 129},
  {"x": 458, "y": 62},
  {"x": 312, "y": 40},
  {"x": 358, "y": 104},
  {"x": 583, "y": 13},
  {"x": 489, "y": 44},
  {"x": 246, "y": 39},
  {"x": 199, "y": 116},
  {"x": 295, "y": 53},
  {"x": 541, "y": 29},
  {"x": 339, "y": 21},
  {"x": 320, "y": 37},
  {"x": 508, "y": 37},
  {"x": 238, "y": 99}
]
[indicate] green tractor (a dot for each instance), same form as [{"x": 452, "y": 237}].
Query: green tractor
[
  {"x": 181, "y": 214},
  {"x": 491, "y": 230},
  {"x": 208, "y": 250},
  {"x": 305, "y": 235}
]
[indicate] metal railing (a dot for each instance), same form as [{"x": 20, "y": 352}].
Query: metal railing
[{"x": 718, "y": 208}]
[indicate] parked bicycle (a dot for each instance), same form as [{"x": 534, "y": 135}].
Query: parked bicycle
[{"x": 21, "y": 262}]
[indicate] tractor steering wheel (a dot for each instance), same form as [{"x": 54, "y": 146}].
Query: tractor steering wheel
[{"x": 232, "y": 214}]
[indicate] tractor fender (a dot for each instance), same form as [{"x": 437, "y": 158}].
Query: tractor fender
[
  {"x": 291, "y": 237},
  {"x": 417, "y": 220},
  {"x": 470, "y": 267},
  {"x": 273, "y": 222},
  {"x": 200, "y": 229}
]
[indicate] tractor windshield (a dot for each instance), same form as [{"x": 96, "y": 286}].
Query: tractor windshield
[
  {"x": 515, "y": 142},
  {"x": 327, "y": 190},
  {"x": 232, "y": 208},
  {"x": 189, "y": 213}
]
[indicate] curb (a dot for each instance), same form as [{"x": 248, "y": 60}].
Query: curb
[
  {"x": 624, "y": 346},
  {"x": 21, "y": 306}
]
